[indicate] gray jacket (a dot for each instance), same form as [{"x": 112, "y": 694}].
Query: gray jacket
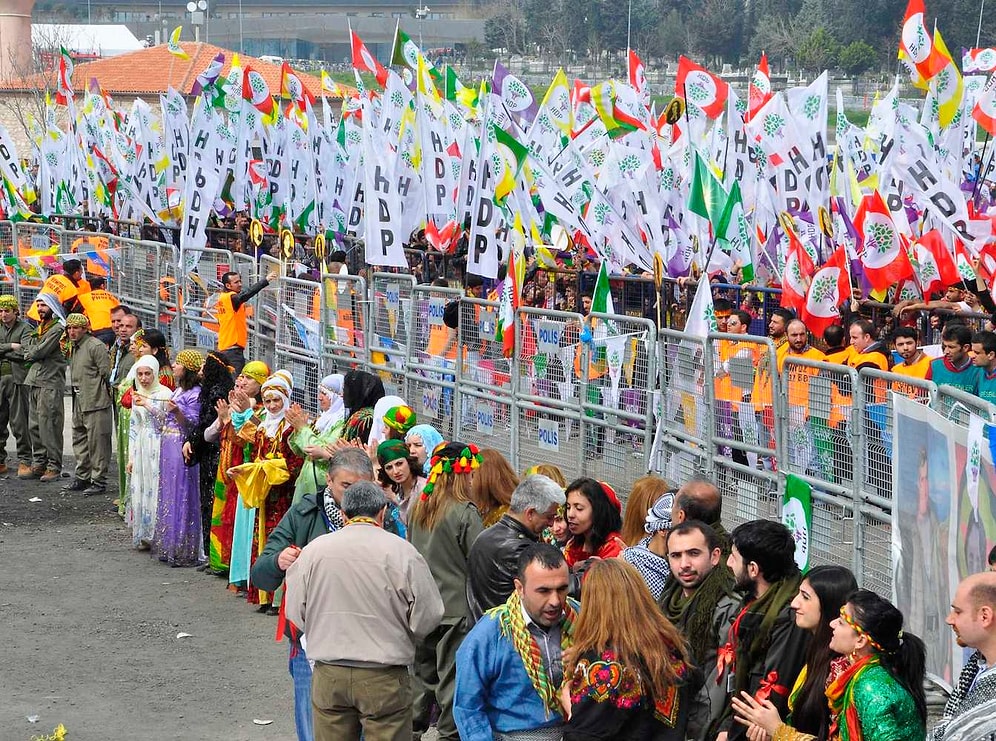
[
  {"x": 89, "y": 369},
  {"x": 16, "y": 334},
  {"x": 48, "y": 364}
]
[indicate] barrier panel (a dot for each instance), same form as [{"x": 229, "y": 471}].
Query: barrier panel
[
  {"x": 267, "y": 312},
  {"x": 741, "y": 455},
  {"x": 548, "y": 389},
  {"x": 485, "y": 392},
  {"x": 125, "y": 229},
  {"x": 344, "y": 323},
  {"x": 136, "y": 278},
  {"x": 389, "y": 328},
  {"x": 9, "y": 278},
  {"x": 72, "y": 222},
  {"x": 248, "y": 269},
  {"x": 298, "y": 342},
  {"x": 959, "y": 406},
  {"x": 618, "y": 403},
  {"x": 433, "y": 367}
]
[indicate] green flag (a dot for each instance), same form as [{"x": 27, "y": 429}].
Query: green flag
[
  {"x": 601, "y": 300},
  {"x": 797, "y": 516},
  {"x": 706, "y": 196},
  {"x": 733, "y": 233}
]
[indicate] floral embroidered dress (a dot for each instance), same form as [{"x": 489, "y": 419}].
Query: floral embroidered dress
[{"x": 608, "y": 701}]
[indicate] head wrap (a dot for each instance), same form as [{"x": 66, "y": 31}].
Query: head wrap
[
  {"x": 659, "y": 514},
  {"x": 77, "y": 320},
  {"x": 361, "y": 389},
  {"x": 452, "y": 458},
  {"x": 391, "y": 450},
  {"x": 430, "y": 439},
  {"x": 400, "y": 419},
  {"x": 192, "y": 360},
  {"x": 378, "y": 430},
  {"x": 331, "y": 386},
  {"x": 156, "y": 389},
  {"x": 610, "y": 494},
  {"x": 257, "y": 370},
  {"x": 8, "y": 302},
  {"x": 282, "y": 384},
  {"x": 52, "y": 302}
]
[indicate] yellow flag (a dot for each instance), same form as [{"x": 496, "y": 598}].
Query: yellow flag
[
  {"x": 946, "y": 85},
  {"x": 173, "y": 45}
]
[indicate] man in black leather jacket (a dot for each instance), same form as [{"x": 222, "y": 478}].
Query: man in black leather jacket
[{"x": 495, "y": 554}]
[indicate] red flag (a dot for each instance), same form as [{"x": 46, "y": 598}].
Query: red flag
[
  {"x": 799, "y": 269},
  {"x": 637, "y": 76},
  {"x": 918, "y": 43},
  {"x": 985, "y": 109},
  {"x": 883, "y": 257},
  {"x": 364, "y": 60},
  {"x": 829, "y": 288},
  {"x": 759, "y": 90},
  {"x": 257, "y": 92},
  {"x": 698, "y": 85},
  {"x": 933, "y": 262}
]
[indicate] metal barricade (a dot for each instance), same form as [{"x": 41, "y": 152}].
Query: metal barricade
[
  {"x": 819, "y": 425},
  {"x": 74, "y": 222},
  {"x": 171, "y": 304},
  {"x": 37, "y": 248},
  {"x": 124, "y": 229},
  {"x": 548, "y": 384},
  {"x": 267, "y": 313},
  {"x": 681, "y": 446},
  {"x": 137, "y": 276},
  {"x": 742, "y": 426},
  {"x": 298, "y": 344},
  {"x": 485, "y": 392},
  {"x": 433, "y": 366},
  {"x": 959, "y": 406},
  {"x": 248, "y": 269},
  {"x": 390, "y": 328},
  {"x": 233, "y": 240},
  {"x": 619, "y": 399},
  {"x": 199, "y": 290},
  {"x": 12, "y": 269},
  {"x": 344, "y": 323}
]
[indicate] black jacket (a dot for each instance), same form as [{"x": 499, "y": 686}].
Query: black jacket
[{"x": 492, "y": 564}]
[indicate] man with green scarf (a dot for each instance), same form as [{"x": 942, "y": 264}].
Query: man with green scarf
[
  {"x": 700, "y": 600},
  {"x": 764, "y": 650},
  {"x": 510, "y": 666}
]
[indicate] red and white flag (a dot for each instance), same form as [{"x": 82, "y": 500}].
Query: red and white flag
[
  {"x": 364, "y": 60},
  {"x": 985, "y": 109},
  {"x": 933, "y": 262},
  {"x": 698, "y": 85},
  {"x": 918, "y": 43},
  {"x": 829, "y": 288},
  {"x": 637, "y": 75},
  {"x": 759, "y": 90},
  {"x": 799, "y": 269},
  {"x": 883, "y": 257}
]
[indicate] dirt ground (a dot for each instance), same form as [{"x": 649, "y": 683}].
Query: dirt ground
[{"x": 90, "y": 626}]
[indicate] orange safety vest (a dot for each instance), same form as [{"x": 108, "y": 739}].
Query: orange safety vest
[
  {"x": 761, "y": 394},
  {"x": 877, "y": 360},
  {"x": 61, "y": 286},
  {"x": 917, "y": 370},
  {"x": 232, "y": 330},
  {"x": 97, "y": 306},
  {"x": 596, "y": 367},
  {"x": 799, "y": 378}
]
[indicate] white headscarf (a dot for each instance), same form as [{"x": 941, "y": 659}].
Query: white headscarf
[
  {"x": 336, "y": 413},
  {"x": 154, "y": 391},
  {"x": 378, "y": 430},
  {"x": 279, "y": 383}
]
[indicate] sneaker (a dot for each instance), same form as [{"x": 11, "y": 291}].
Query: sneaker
[
  {"x": 76, "y": 485},
  {"x": 50, "y": 475},
  {"x": 24, "y": 471},
  {"x": 94, "y": 490}
]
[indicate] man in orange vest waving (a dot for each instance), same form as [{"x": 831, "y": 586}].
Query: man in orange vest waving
[{"x": 230, "y": 312}]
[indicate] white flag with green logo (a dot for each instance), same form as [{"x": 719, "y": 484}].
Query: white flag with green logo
[{"x": 797, "y": 516}]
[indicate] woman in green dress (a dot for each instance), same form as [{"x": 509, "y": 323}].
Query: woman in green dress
[
  {"x": 311, "y": 441},
  {"x": 878, "y": 697}
]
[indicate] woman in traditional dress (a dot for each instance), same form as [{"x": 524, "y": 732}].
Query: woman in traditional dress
[
  {"x": 379, "y": 430},
  {"x": 143, "y": 449},
  {"x": 271, "y": 439},
  {"x": 360, "y": 392},
  {"x": 153, "y": 342},
  {"x": 177, "y": 540},
  {"x": 628, "y": 675},
  {"x": 310, "y": 441},
  {"x": 878, "y": 696}
]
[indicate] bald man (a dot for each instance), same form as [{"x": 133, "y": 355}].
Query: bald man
[
  {"x": 973, "y": 620},
  {"x": 699, "y": 499}
]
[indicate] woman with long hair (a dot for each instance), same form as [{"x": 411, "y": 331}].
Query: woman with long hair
[
  {"x": 646, "y": 491},
  {"x": 399, "y": 474},
  {"x": 878, "y": 696},
  {"x": 143, "y": 451},
  {"x": 628, "y": 675},
  {"x": 443, "y": 524},
  {"x": 593, "y": 519},
  {"x": 493, "y": 485},
  {"x": 821, "y": 594},
  {"x": 360, "y": 393},
  {"x": 177, "y": 539},
  {"x": 310, "y": 441}
]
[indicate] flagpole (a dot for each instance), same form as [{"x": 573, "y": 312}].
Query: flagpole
[
  {"x": 980, "y": 177},
  {"x": 978, "y": 34},
  {"x": 629, "y": 26}
]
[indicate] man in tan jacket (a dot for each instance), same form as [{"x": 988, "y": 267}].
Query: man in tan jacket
[
  {"x": 363, "y": 598},
  {"x": 89, "y": 369}
]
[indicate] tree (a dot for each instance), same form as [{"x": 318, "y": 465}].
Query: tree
[
  {"x": 778, "y": 37},
  {"x": 856, "y": 57},
  {"x": 818, "y": 51},
  {"x": 718, "y": 29}
]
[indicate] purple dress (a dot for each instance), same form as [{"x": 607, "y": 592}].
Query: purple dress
[{"x": 178, "y": 540}]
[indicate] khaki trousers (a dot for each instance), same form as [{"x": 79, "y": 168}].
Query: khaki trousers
[
  {"x": 92, "y": 444},
  {"x": 346, "y": 701},
  {"x": 14, "y": 413},
  {"x": 46, "y": 416}
]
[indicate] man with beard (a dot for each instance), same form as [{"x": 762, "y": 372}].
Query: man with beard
[
  {"x": 699, "y": 599},
  {"x": 973, "y": 620},
  {"x": 46, "y": 380},
  {"x": 764, "y": 650},
  {"x": 800, "y": 377},
  {"x": 13, "y": 392}
]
